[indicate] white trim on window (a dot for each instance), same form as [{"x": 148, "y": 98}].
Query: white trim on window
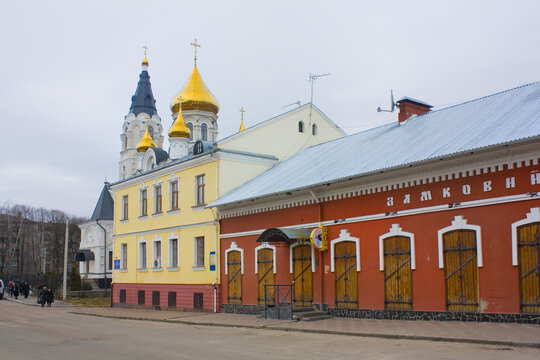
[
  {"x": 291, "y": 257},
  {"x": 459, "y": 223},
  {"x": 170, "y": 253},
  {"x": 344, "y": 236},
  {"x": 533, "y": 216},
  {"x": 396, "y": 230},
  {"x": 234, "y": 247},
  {"x": 171, "y": 180},
  {"x": 143, "y": 265},
  {"x": 157, "y": 258},
  {"x": 265, "y": 245},
  {"x": 123, "y": 256}
]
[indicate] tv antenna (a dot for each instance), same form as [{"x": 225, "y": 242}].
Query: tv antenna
[
  {"x": 297, "y": 103},
  {"x": 312, "y": 78},
  {"x": 392, "y": 104}
]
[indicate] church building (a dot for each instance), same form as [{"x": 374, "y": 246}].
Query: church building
[
  {"x": 435, "y": 216},
  {"x": 166, "y": 240}
]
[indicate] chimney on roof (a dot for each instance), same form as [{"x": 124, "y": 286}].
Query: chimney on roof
[{"x": 409, "y": 107}]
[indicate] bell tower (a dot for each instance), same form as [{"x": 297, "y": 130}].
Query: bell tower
[{"x": 142, "y": 115}]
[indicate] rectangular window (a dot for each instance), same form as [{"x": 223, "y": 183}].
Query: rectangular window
[
  {"x": 157, "y": 197},
  {"x": 174, "y": 195},
  {"x": 110, "y": 260},
  {"x": 173, "y": 253},
  {"x": 157, "y": 254},
  {"x": 142, "y": 255},
  {"x": 140, "y": 297},
  {"x": 124, "y": 207},
  {"x": 124, "y": 256},
  {"x": 144, "y": 202},
  {"x": 123, "y": 296},
  {"x": 200, "y": 190},
  {"x": 172, "y": 299},
  {"x": 199, "y": 251},
  {"x": 155, "y": 298}
]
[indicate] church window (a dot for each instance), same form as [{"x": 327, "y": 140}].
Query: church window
[
  {"x": 199, "y": 201},
  {"x": 174, "y": 195},
  {"x": 198, "y": 148},
  {"x": 190, "y": 126},
  {"x": 125, "y": 142},
  {"x": 144, "y": 202},
  {"x": 314, "y": 129},
  {"x": 157, "y": 198},
  {"x": 204, "y": 132},
  {"x": 301, "y": 126},
  {"x": 124, "y": 207},
  {"x": 151, "y": 131}
]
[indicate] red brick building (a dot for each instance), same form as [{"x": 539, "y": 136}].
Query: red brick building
[{"x": 436, "y": 216}]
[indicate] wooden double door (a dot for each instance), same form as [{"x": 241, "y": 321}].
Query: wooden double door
[
  {"x": 461, "y": 270},
  {"x": 234, "y": 277},
  {"x": 397, "y": 273},
  {"x": 529, "y": 268},
  {"x": 302, "y": 275},
  {"x": 346, "y": 280}
]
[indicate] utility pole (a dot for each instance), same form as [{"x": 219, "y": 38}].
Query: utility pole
[{"x": 64, "y": 287}]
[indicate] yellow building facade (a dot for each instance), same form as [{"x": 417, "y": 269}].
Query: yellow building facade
[{"x": 166, "y": 239}]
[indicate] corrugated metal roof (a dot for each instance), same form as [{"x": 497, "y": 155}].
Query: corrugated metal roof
[{"x": 500, "y": 118}]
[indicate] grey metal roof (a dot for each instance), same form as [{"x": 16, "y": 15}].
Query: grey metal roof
[
  {"x": 143, "y": 101},
  {"x": 105, "y": 206},
  {"x": 161, "y": 155},
  {"x": 504, "y": 117}
]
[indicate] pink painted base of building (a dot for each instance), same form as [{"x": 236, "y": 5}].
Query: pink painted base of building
[{"x": 166, "y": 296}]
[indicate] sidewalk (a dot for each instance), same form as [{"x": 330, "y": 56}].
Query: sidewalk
[
  {"x": 504, "y": 334},
  {"x": 32, "y": 301}
]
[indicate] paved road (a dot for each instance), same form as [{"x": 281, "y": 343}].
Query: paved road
[{"x": 28, "y": 332}]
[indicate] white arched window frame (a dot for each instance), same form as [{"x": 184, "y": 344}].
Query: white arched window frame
[
  {"x": 204, "y": 131},
  {"x": 345, "y": 236},
  {"x": 396, "y": 230},
  {"x": 532, "y": 217},
  {"x": 234, "y": 247},
  {"x": 265, "y": 246},
  {"x": 459, "y": 223},
  {"x": 291, "y": 257},
  {"x": 190, "y": 126}
]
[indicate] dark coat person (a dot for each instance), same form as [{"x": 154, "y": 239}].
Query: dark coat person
[
  {"x": 42, "y": 298},
  {"x": 16, "y": 291},
  {"x": 50, "y": 297}
]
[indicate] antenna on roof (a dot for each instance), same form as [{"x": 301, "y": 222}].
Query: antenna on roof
[
  {"x": 297, "y": 103},
  {"x": 312, "y": 78},
  {"x": 392, "y": 104}
]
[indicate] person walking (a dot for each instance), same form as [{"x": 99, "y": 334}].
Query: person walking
[
  {"x": 25, "y": 289},
  {"x": 15, "y": 291},
  {"x": 49, "y": 297},
  {"x": 42, "y": 298}
]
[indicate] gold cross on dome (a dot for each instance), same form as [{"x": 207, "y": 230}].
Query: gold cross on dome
[
  {"x": 195, "y": 46},
  {"x": 145, "y": 49},
  {"x": 242, "y": 111}
]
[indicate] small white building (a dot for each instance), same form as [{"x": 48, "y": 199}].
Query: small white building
[{"x": 95, "y": 255}]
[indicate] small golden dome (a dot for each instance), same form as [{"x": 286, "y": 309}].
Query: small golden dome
[
  {"x": 195, "y": 96},
  {"x": 145, "y": 60},
  {"x": 179, "y": 128},
  {"x": 145, "y": 142}
]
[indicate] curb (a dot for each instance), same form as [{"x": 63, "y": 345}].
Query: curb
[
  {"x": 330, "y": 332},
  {"x": 63, "y": 304}
]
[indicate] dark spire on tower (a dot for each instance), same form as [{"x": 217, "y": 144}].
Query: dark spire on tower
[{"x": 143, "y": 101}]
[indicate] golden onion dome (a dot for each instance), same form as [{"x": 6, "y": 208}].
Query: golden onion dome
[
  {"x": 145, "y": 60},
  {"x": 195, "y": 96},
  {"x": 179, "y": 128},
  {"x": 145, "y": 142}
]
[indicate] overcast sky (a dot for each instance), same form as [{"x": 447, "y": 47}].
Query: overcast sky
[{"x": 69, "y": 69}]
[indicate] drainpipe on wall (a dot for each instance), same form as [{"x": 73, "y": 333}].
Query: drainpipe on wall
[
  {"x": 104, "y": 255},
  {"x": 216, "y": 225},
  {"x": 321, "y": 257}
]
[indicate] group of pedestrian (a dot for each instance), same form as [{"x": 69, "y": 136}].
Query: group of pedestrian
[
  {"x": 45, "y": 296},
  {"x": 15, "y": 289}
]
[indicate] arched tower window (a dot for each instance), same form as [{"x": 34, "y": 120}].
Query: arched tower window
[
  {"x": 204, "y": 132},
  {"x": 301, "y": 126},
  {"x": 190, "y": 126},
  {"x": 314, "y": 129},
  {"x": 151, "y": 131}
]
